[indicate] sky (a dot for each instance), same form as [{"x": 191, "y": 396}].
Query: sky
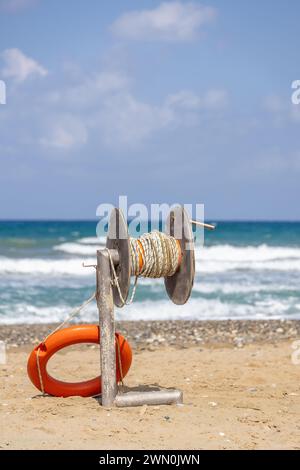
[{"x": 165, "y": 102}]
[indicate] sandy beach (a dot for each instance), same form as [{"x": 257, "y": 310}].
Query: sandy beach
[{"x": 241, "y": 390}]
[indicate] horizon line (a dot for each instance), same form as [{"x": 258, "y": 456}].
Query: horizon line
[{"x": 208, "y": 219}]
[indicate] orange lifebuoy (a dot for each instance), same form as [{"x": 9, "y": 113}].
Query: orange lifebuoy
[{"x": 61, "y": 339}]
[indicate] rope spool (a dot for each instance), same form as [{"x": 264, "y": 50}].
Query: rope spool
[
  {"x": 155, "y": 255},
  {"x": 167, "y": 255}
]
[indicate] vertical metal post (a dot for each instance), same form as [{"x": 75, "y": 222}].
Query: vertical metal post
[{"x": 104, "y": 296}]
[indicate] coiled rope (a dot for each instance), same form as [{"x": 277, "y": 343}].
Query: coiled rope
[{"x": 153, "y": 255}]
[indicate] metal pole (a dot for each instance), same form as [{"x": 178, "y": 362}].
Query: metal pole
[{"x": 105, "y": 305}]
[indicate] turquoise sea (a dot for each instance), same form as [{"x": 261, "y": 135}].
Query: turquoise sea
[{"x": 245, "y": 270}]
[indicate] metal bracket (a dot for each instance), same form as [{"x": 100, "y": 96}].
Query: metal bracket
[{"x": 89, "y": 265}]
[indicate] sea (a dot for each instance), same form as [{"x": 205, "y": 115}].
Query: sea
[{"x": 245, "y": 270}]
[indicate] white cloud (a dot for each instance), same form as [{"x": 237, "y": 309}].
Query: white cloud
[
  {"x": 19, "y": 67},
  {"x": 295, "y": 113},
  {"x": 274, "y": 104},
  {"x": 65, "y": 133},
  {"x": 123, "y": 119},
  {"x": 170, "y": 21},
  {"x": 215, "y": 99},
  {"x": 185, "y": 99},
  {"x": 127, "y": 121},
  {"x": 89, "y": 91},
  {"x": 14, "y": 6},
  {"x": 102, "y": 109},
  {"x": 109, "y": 111},
  {"x": 283, "y": 111}
]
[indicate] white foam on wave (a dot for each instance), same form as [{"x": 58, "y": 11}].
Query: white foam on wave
[
  {"x": 211, "y": 267},
  {"x": 83, "y": 246},
  {"x": 240, "y": 288},
  {"x": 196, "y": 309},
  {"x": 77, "y": 249},
  {"x": 204, "y": 309},
  {"x": 45, "y": 266},
  {"x": 92, "y": 240},
  {"x": 220, "y": 258},
  {"x": 213, "y": 254},
  {"x": 214, "y": 259},
  {"x": 22, "y": 313},
  {"x": 230, "y": 253}
]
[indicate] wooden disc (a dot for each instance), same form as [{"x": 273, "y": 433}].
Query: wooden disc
[
  {"x": 118, "y": 239},
  {"x": 179, "y": 286}
]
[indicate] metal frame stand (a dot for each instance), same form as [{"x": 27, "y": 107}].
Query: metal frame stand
[{"x": 105, "y": 304}]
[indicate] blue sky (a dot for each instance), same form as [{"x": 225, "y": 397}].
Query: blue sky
[{"x": 162, "y": 101}]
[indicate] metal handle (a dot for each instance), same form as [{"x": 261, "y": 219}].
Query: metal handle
[{"x": 202, "y": 224}]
